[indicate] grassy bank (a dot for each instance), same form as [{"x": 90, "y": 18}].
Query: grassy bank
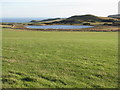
[
  {"x": 59, "y": 59},
  {"x": 93, "y": 29}
]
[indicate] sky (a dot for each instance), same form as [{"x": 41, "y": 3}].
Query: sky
[{"x": 57, "y": 8}]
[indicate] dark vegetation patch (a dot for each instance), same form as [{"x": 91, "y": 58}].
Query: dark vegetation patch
[
  {"x": 18, "y": 73},
  {"x": 9, "y": 76},
  {"x": 99, "y": 76},
  {"x": 96, "y": 86},
  {"x": 52, "y": 79},
  {"x": 29, "y": 79},
  {"x": 9, "y": 80}
]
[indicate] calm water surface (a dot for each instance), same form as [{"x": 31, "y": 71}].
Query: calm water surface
[
  {"x": 59, "y": 27},
  {"x": 18, "y": 20}
]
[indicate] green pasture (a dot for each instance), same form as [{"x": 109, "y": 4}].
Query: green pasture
[{"x": 37, "y": 59}]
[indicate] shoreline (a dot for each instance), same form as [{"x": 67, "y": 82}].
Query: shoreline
[
  {"x": 93, "y": 29},
  {"x": 73, "y": 30}
]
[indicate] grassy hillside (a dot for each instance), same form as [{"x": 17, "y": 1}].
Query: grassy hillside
[
  {"x": 81, "y": 20},
  {"x": 84, "y": 18},
  {"x": 33, "y": 59}
]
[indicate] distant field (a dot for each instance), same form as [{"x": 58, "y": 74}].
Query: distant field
[{"x": 59, "y": 59}]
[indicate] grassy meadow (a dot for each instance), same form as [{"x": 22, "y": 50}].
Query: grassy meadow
[{"x": 59, "y": 59}]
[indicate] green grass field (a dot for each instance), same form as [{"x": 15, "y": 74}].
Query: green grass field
[{"x": 59, "y": 59}]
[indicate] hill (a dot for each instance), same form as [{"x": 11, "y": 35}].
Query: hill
[
  {"x": 84, "y": 18},
  {"x": 47, "y": 20},
  {"x": 79, "y": 19}
]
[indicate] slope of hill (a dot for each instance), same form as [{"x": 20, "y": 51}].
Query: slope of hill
[
  {"x": 47, "y": 20},
  {"x": 115, "y": 16}
]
